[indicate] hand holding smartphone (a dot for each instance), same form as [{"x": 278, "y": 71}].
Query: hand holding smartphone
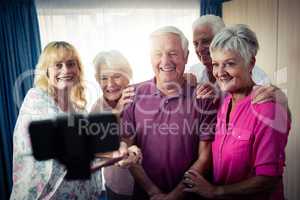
[{"x": 74, "y": 140}]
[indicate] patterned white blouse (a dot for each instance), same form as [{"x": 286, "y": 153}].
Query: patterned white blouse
[{"x": 43, "y": 180}]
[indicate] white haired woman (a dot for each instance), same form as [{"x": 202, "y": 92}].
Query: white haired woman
[
  {"x": 249, "y": 146},
  {"x": 113, "y": 73},
  {"x": 58, "y": 89}
]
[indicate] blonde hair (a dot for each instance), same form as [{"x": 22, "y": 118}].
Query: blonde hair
[
  {"x": 112, "y": 60},
  {"x": 53, "y": 52}
]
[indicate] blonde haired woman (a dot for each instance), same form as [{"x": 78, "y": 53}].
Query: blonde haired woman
[
  {"x": 69, "y": 82},
  {"x": 113, "y": 74},
  {"x": 58, "y": 89}
]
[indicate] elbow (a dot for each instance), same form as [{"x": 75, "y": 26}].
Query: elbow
[
  {"x": 273, "y": 183},
  {"x": 270, "y": 183}
]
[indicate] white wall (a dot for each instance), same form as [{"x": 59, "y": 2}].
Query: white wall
[{"x": 276, "y": 23}]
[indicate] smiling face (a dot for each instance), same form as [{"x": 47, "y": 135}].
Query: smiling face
[
  {"x": 230, "y": 71},
  {"x": 112, "y": 83},
  {"x": 202, "y": 37},
  {"x": 64, "y": 72},
  {"x": 168, "y": 59}
]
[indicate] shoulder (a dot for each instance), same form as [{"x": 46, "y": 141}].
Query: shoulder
[
  {"x": 145, "y": 87},
  {"x": 273, "y": 115},
  {"x": 142, "y": 91},
  {"x": 100, "y": 105},
  {"x": 36, "y": 93},
  {"x": 38, "y": 101},
  {"x": 267, "y": 109},
  {"x": 257, "y": 69},
  {"x": 207, "y": 106},
  {"x": 196, "y": 67},
  {"x": 259, "y": 76},
  {"x": 199, "y": 70},
  {"x": 38, "y": 96},
  {"x": 96, "y": 107},
  {"x": 35, "y": 96}
]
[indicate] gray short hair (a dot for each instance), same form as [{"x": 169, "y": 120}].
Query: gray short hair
[
  {"x": 172, "y": 30},
  {"x": 238, "y": 38},
  {"x": 114, "y": 60},
  {"x": 214, "y": 22}
]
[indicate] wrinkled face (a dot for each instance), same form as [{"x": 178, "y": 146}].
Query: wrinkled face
[
  {"x": 167, "y": 58},
  {"x": 64, "y": 73},
  {"x": 112, "y": 83},
  {"x": 230, "y": 70},
  {"x": 202, "y": 37}
]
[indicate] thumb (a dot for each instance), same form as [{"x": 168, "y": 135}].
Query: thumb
[{"x": 123, "y": 149}]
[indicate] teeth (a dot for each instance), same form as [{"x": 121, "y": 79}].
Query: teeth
[
  {"x": 112, "y": 90},
  {"x": 65, "y": 78},
  {"x": 225, "y": 79},
  {"x": 167, "y": 69}
]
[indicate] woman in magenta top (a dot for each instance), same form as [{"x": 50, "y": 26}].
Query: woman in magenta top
[{"x": 249, "y": 147}]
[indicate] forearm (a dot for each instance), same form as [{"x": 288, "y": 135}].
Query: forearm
[
  {"x": 250, "y": 186},
  {"x": 178, "y": 192},
  {"x": 128, "y": 141},
  {"x": 204, "y": 160},
  {"x": 201, "y": 165},
  {"x": 143, "y": 180}
]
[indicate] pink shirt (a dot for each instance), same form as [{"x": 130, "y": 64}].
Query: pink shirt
[{"x": 253, "y": 144}]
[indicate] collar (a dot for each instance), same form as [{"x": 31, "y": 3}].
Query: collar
[{"x": 155, "y": 91}]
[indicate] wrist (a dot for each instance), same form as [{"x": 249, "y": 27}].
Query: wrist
[
  {"x": 178, "y": 192},
  {"x": 117, "y": 110},
  {"x": 218, "y": 191},
  {"x": 153, "y": 191}
]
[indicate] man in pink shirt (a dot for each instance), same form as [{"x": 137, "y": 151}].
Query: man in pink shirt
[{"x": 249, "y": 147}]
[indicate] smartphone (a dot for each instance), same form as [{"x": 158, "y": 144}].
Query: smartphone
[{"x": 74, "y": 140}]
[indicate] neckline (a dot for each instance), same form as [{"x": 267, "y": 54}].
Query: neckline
[
  {"x": 232, "y": 119},
  {"x": 182, "y": 93}
]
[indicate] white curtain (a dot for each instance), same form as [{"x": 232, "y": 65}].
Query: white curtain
[{"x": 125, "y": 25}]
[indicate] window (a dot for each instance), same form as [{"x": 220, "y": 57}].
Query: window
[{"x": 94, "y": 26}]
